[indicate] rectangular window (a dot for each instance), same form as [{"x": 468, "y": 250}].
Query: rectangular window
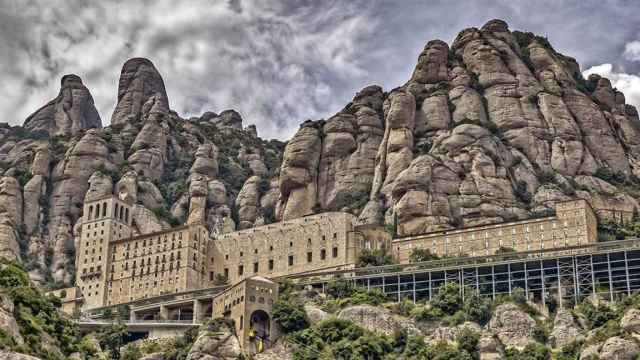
[
  {"x": 323, "y": 254},
  {"x": 290, "y": 260},
  {"x": 226, "y": 273},
  {"x": 210, "y": 275},
  {"x": 335, "y": 252},
  {"x": 270, "y": 264},
  {"x": 240, "y": 270},
  {"x": 255, "y": 267},
  {"x": 309, "y": 257}
]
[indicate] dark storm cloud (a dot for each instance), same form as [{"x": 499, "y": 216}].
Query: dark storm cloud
[{"x": 278, "y": 62}]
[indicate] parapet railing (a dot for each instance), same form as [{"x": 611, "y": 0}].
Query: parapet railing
[
  {"x": 185, "y": 295},
  {"x": 135, "y": 321},
  {"x": 541, "y": 254}
]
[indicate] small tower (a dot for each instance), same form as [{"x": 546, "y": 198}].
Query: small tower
[{"x": 104, "y": 220}]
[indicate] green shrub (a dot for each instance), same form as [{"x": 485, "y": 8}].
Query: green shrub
[
  {"x": 420, "y": 255},
  {"x": 610, "y": 176},
  {"x": 596, "y": 315},
  {"x": 468, "y": 340},
  {"x": 477, "y": 308},
  {"x": 374, "y": 257},
  {"x": 339, "y": 288},
  {"x": 530, "y": 352},
  {"x": 522, "y": 192},
  {"x": 112, "y": 338},
  {"x": 131, "y": 352},
  {"x": 448, "y": 298},
  {"x": 427, "y": 314},
  {"x": 569, "y": 352},
  {"x": 13, "y": 275},
  {"x": 290, "y": 315}
]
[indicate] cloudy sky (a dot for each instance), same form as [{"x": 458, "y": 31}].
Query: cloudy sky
[{"x": 278, "y": 62}]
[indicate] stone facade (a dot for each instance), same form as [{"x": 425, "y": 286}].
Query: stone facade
[
  {"x": 116, "y": 268},
  {"x": 157, "y": 263},
  {"x": 319, "y": 242},
  {"x": 574, "y": 223},
  {"x": 249, "y": 304},
  {"x": 105, "y": 220}
]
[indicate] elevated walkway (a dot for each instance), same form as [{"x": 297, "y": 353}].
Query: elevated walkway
[{"x": 154, "y": 328}]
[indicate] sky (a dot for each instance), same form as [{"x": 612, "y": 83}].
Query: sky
[{"x": 279, "y": 63}]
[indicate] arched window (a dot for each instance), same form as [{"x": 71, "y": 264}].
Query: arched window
[
  {"x": 97, "y": 211},
  {"x": 126, "y": 215},
  {"x": 115, "y": 211},
  {"x": 90, "y": 212},
  {"x": 121, "y": 215},
  {"x": 104, "y": 209}
]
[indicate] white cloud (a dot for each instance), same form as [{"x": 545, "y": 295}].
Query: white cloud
[
  {"x": 277, "y": 65},
  {"x": 632, "y": 51},
  {"x": 628, "y": 84}
]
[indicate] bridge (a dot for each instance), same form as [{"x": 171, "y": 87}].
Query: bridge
[{"x": 153, "y": 329}]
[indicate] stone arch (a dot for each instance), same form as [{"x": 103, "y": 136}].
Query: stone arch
[{"x": 260, "y": 322}]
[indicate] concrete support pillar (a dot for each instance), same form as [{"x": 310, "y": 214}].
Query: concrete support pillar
[
  {"x": 198, "y": 311},
  {"x": 164, "y": 312},
  {"x": 133, "y": 316}
]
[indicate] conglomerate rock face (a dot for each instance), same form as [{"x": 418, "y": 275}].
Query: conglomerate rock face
[
  {"x": 70, "y": 112},
  {"x": 492, "y": 127}
]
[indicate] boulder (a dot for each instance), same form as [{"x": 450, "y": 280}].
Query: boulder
[
  {"x": 489, "y": 348},
  {"x": 513, "y": 326},
  {"x": 439, "y": 333},
  {"x": 7, "y": 321},
  {"x": 215, "y": 341},
  {"x": 565, "y": 329},
  {"x": 617, "y": 348},
  {"x": 630, "y": 322},
  {"x": 8, "y": 355},
  {"x": 377, "y": 319},
  {"x": 315, "y": 314}
]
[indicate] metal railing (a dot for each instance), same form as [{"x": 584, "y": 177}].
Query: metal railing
[
  {"x": 135, "y": 322},
  {"x": 541, "y": 254}
]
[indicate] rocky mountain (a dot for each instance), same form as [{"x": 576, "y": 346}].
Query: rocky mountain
[{"x": 496, "y": 126}]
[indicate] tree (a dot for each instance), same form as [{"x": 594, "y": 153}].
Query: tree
[
  {"x": 290, "y": 315},
  {"x": 112, "y": 339},
  {"x": 448, "y": 298},
  {"x": 376, "y": 257},
  {"x": 477, "y": 308},
  {"x": 420, "y": 255}
]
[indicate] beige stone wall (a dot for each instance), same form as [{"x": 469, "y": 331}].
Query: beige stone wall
[
  {"x": 104, "y": 220},
  {"x": 158, "y": 263},
  {"x": 242, "y": 300},
  {"x": 323, "y": 241},
  {"x": 70, "y": 299},
  {"x": 573, "y": 224}
]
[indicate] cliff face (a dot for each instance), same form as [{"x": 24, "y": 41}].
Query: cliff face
[{"x": 496, "y": 126}]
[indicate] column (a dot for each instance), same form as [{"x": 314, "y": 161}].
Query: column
[{"x": 164, "y": 312}]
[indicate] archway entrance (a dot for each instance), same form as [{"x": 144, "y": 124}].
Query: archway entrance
[{"x": 261, "y": 324}]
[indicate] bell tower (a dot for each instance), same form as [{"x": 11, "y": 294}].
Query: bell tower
[{"x": 104, "y": 220}]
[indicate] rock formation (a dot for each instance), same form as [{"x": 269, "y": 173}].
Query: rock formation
[
  {"x": 69, "y": 113},
  {"x": 495, "y": 126},
  {"x": 140, "y": 92}
]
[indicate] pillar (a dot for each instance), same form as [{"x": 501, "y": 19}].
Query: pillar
[
  {"x": 198, "y": 311},
  {"x": 164, "y": 312},
  {"x": 132, "y": 316}
]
